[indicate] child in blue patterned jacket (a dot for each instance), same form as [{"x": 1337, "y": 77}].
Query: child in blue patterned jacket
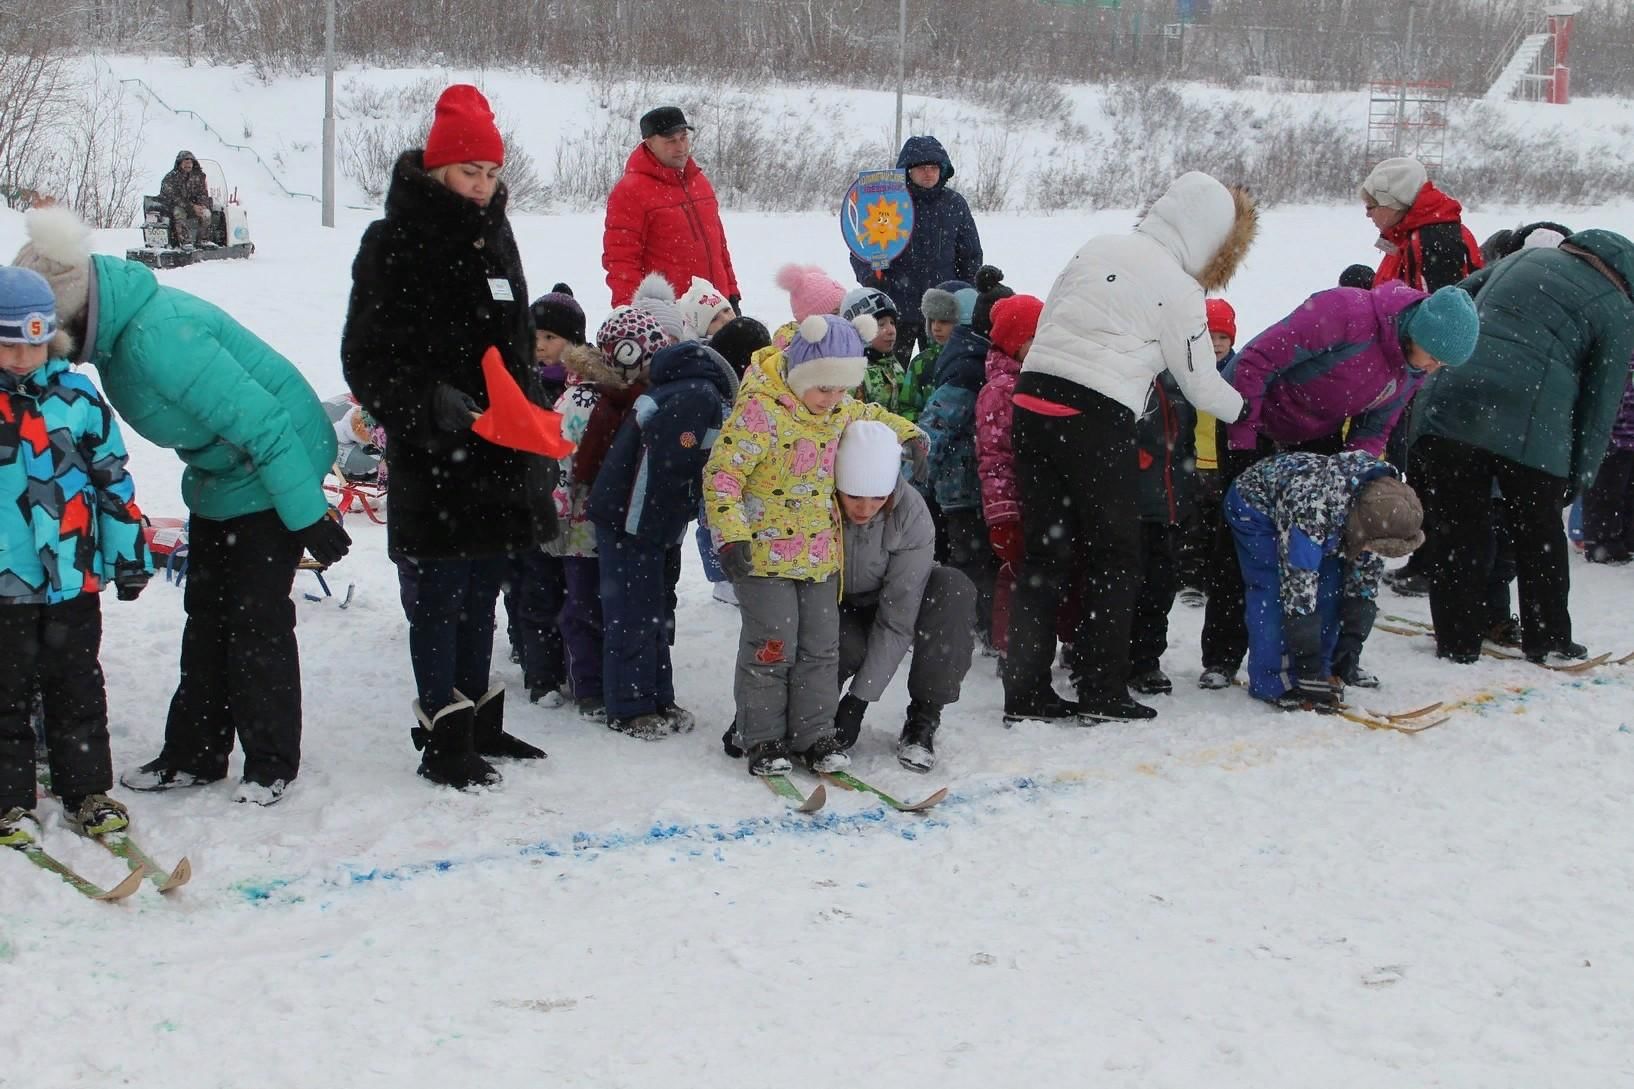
[{"x": 68, "y": 524}]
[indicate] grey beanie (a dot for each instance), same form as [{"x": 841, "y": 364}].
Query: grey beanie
[
  {"x": 939, "y": 305},
  {"x": 1395, "y": 183}
]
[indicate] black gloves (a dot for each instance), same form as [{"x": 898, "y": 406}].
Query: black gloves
[
  {"x": 129, "y": 579},
  {"x": 848, "y": 720},
  {"x": 453, "y": 409},
  {"x": 324, "y": 539},
  {"x": 735, "y": 560}
]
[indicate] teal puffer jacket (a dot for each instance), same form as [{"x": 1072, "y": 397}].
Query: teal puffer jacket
[
  {"x": 1548, "y": 373},
  {"x": 185, "y": 375}
]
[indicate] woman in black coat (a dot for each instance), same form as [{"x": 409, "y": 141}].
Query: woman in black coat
[{"x": 436, "y": 283}]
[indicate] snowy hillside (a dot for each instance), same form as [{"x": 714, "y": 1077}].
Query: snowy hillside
[{"x": 1226, "y": 897}]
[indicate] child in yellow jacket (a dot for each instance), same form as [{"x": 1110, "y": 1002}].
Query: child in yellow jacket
[{"x": 769, "y": 491}]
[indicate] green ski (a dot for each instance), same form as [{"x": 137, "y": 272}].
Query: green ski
[
  {"x": 121, "y": 845},
  {"x": 38, "y": 855},
  {"x": 784, "y": 787},
  {"x": 851, "y": 782}
]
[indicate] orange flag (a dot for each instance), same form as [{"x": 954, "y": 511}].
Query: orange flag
[{"x": 514, "y": 421}]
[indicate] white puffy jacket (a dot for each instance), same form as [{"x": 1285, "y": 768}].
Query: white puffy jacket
[{"x": 1129, "y": 305}]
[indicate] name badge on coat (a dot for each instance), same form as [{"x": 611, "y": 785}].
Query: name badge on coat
[{"x": 500, "y": 289}]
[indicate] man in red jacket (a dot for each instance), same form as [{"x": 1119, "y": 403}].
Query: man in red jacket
[{"x": 662, "y": 215}]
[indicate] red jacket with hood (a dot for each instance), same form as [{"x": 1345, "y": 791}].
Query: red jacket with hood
[
  {"x": 1433, "y": 248},
  {"x": 665, "y": 221}
]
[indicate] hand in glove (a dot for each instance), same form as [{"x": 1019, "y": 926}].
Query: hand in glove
[
  {"x": 917, "y": 453},
  {"x": 324, "y": 539},
  {"x": 848, "y": 719},
  {"x": 735, "y": 560},
  {"x": 130, "y": 580},
  {"x": 1006, "y": 541},
  {"x": 737, "y": 304},
  {"x": 453, "y": 409}
]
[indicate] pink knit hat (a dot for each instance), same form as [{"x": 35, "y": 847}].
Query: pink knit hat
[{"x": 811, "y": 290}]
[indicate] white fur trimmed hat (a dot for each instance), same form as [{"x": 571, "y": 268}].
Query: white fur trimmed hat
[
  {"x": 828, "y": 351},
  {"x": 1395, "y": 183},
  {"x": 59, "y": 248}
]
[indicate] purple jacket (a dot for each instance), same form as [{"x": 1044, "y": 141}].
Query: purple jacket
[
  {"x": 1336, "y": 357},
  {"x": 1622, "y": 429}
]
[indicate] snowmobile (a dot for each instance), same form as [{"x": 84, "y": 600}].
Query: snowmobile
[{"x": 228, "y": 229}]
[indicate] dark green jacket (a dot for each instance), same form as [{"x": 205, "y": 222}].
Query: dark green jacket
[
  {"x": 1551, "y": 362},
  {"x": 184, "y": 375}
]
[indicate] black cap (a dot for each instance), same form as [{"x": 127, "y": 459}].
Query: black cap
[
  {"x": 663, "y": 121},
  {"x": 1357, "y": 276}
]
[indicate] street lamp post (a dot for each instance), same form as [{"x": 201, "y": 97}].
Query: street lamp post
[
  {"x": 901, "y": 63},
  {"x": 329, "y": 114}
]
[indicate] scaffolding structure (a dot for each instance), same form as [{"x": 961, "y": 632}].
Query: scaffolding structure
[{"x": 1408, "y": 118}]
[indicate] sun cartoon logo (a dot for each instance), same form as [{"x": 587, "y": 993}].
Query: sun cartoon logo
[{"x": 882, "y": 224}]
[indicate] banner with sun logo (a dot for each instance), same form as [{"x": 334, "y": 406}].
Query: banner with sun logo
[{"x": 876, "y": 218}]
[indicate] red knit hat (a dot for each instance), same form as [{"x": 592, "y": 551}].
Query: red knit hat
[
  {"x": 463, "y": 130},
  {"x": 1015, "y": 320},
  {"x": 1221, "y": 318}
]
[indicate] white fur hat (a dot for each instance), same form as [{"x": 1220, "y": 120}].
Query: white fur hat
[
  {"x": 59, "y": 248},
  {"x": 1395, "y": 183},
  {"x": 870, "y": 460},
  {"x": 701, "y": 305},
  {"x": 655, "y": 295},
  {"x": 1543, "y": 238},
  {"x": 828, "y": 351}
]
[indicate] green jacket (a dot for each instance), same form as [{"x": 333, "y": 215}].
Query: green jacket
[
  {"x": 1551, "y": 362},
  {"x": 186, "y": 376}
]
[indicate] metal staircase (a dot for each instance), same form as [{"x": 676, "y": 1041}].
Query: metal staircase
[{"x": 1519, "y": 71}]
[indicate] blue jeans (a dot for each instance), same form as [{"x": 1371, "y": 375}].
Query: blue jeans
[
  {"x": 638, "y": 622},
  {"x": 451, "y": 627}
]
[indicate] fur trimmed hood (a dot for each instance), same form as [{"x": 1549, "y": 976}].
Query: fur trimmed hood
[
  {"x": 1207, "y": 226},
  {"x": 586, "y": 363}
]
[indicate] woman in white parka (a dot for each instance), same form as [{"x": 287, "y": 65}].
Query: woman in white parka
[{"x": 1125, "y": 308}]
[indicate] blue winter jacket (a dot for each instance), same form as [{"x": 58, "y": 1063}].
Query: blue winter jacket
[
  {"x": 949, "y": 419},
  {"x": 651, "y": 482},
  {"x": 945, "y": 244},
  {"x": 68, "y": 517}
]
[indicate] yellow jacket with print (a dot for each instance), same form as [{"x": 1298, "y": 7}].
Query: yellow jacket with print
[{"x": 770, "y": 479}]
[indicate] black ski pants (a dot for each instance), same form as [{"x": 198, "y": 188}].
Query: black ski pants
[
  {"x": 240, "y": 668},
  {"x": 1078, "y": 497},
  {"x": 1454, "y": 480},
  {"x": 1159, "y": 582},
  {"x": 53, "y": 647}
]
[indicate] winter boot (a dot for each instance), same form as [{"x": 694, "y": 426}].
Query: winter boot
[
  {"x": 769, "y": 758},
  {"x": 1114, "y": 709},
  {"x": 1045, "y": 707},
  {"x": 250, "y": 792},
  {"x": 652, "y": 726},
  {"x": 1505, "y": 632},
  {"x": 1152, "y": 682},
  {"x": 19, "y": 827},
  {"x": 488, "y": 734},
  {"x": 1560, "y": 654},
  {"x": 95, "y": 815},
  {"x": 546, "y": 695},
  {"x": 1407, "y": 583},
  {"x": 681, "y": 721},
  {"x": 731, "y": 742},
  {"x": 591, "y": 707},
  {"x": 915, "y": 749},
  {"x": 156, "y": 775},
  {"x": 450, "y": 758},
  {"x": 826, "y": 754},
  {"x": 1214, "y": 678}
]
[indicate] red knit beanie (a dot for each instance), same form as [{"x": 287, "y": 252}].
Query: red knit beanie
[
  {"x": 463, "y": 130},
  {"x": 1221, "y": 318},
  {"x": 1015, "y": 321}
]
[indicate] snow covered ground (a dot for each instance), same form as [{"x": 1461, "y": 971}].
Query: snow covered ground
[{"x": 1225, "y": 897}]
